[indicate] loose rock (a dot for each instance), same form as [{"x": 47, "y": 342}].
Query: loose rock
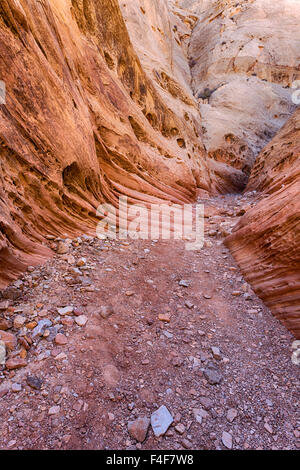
[
  {"x": 212, "y": 376},
  {"x": 19, "y": 321},
  {"x": 165, "y": 317},
  {"x": 40, "y": 328},
  {"x": 62, "y": 248},
  {"x": 2, "y": 353},
  {"x": 66, "y": 310},
  {"x": 180, "y": 428},
  {"x": 184, "y": 283},
  {"x": 106, "y": 311},
  {"x": 5, "y": 324},
  {"x": 16, "y": 363},
  {"x": 138, "y": 429},
  {"x": 231, "y": 415},
  {"x": 16, "y": 387},
  {"x": 81, "y": 320},
  {"x": 54, "y": 410},
  {"x": 161, "y": 419},
  {"x": 227, "y": 439},
  {"x": 216, "y": 353},
  {"x": 34, "y": 382},
  {"x": 9, "y": 339},
  {"x": 61, "y": 339}
]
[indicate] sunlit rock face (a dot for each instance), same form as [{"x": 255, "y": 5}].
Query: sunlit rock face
[
  {"x": 244, "y": 57},
  {"x": 155, "y": 100},
  {"x": 84, "y": 123},
  {"x": 160, "y": 32},
  {"x": 266, "y": 242}
]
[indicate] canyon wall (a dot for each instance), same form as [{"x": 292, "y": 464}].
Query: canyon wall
[
  {"x": 244, "y": 58},
  {"x": 154, "y": 100},
  {"x": 84, "y": 122},
  {"x": 266, "y": 242}
]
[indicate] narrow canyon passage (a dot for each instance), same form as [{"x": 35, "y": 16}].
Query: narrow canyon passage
[
  {"x": 175, "y": 102},
  {"x": 241, "y": 80},
  {"x": 138, "y": 325}
]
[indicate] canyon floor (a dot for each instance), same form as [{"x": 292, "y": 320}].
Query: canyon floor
[{"x": 220, "y": 362}]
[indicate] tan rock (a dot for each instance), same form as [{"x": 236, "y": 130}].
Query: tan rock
[
  {"x": 19, "y": 321},
  {"x": 5, "y": 324},
  {"x": 165, "y": 317},
  {"x": 81, "y": 320},
  {"x": 54, "y": 410}
]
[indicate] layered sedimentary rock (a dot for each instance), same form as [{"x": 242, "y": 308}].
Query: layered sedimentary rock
[
  {"x": 103, "y": 100},
  {"x": 161, "y": 33},
  {"x": 266, "y": 242},
  {"x": 84, "y": 122},
  {"x": 244, "y": 58}
]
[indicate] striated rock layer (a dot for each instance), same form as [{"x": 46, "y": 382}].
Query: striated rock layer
[
  {"x": 266, "y": 242},
  {"x": 84, "y": 122},
  {"x": 103, "y": 100},
  {"x": 244, "y": 58}
]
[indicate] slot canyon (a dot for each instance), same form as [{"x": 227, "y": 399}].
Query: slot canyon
[{"x": 133, "y": 344}]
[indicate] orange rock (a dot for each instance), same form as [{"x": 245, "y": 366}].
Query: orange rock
[
  {"x": 5, "y": 324},
  {"x": 266, "y": 241},
  {"x": 31, "y": 325},
  {"x": 9, "y": 339},
  {"x": 166, "y": 317},
  {"x": 24, "y": 343},
  {"x": 129, "y": 293},
  {"x": 107, "y": 131},
  {"x": 67, "y": 321},
  {"x": 61, "y": 339},
  {"x": 15, "y": 363},
  {"x": 23, "y": 353}
]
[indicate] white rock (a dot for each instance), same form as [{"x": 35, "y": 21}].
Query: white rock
[
  {"x": 2, "y": 353},
  {"x": 81, "y": 320},
  {"x": 231, "y": 414},
  {"x": 161, "y": 419},
  {"x": 200, "y": 414},
  {"x": 268, "y": 428},
  {"x": 227, "y": 439},
  {"x": 16, "y": 387},
  {"x": 66, "y": 310},
  {"x": 54, "y": 410}
]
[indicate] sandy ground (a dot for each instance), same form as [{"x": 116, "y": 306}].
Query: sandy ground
[{"x": 125, "y": 362}]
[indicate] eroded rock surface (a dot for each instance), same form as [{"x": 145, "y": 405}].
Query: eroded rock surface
[
  {"x": 266, "y": 242},
  {"x": 103, "y": 99},
  {"x": 82, "y": 123},
  {"x": 244, "y": 58}
]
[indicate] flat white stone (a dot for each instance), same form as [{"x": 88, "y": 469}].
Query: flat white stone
[
  {"x": 65, "y": 310},
  {"x": 161, "y": 419}
]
